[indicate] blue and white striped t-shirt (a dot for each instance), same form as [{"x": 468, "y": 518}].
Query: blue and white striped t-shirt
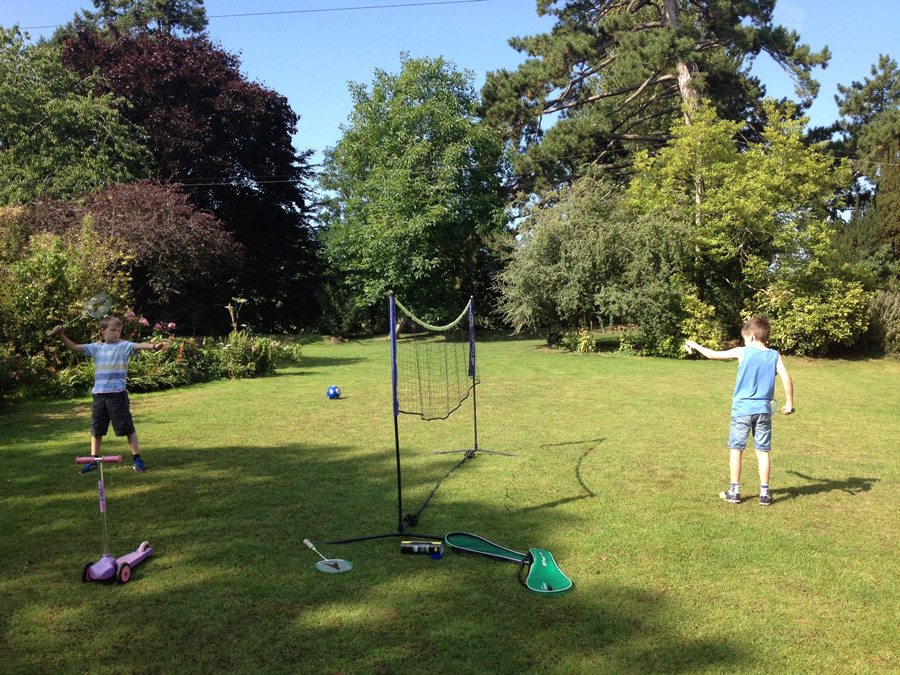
[{"x": 110, "y": 365}]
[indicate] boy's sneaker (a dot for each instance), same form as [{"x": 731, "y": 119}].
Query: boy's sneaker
[
  {"x": 138, "y": 465},
  {"x": 765, "y": 500},
  {"x": 87, "y": 468},
  {"x": 731, "y": 496}
]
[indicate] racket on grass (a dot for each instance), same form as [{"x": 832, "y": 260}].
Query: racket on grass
[
  {"x": 96, "y": 306},
  {"x": 329, "y": 565}
]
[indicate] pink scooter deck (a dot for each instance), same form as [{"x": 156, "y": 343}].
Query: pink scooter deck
[{"x": 108, "y": 566}]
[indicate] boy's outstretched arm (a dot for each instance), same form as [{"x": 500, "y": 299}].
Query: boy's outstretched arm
[
  {"x": 788, "y": 385},
  {"x": 726, "y": 355},
  {"x": 58, "y": 330},
  {"x": 157, "y": 346}
]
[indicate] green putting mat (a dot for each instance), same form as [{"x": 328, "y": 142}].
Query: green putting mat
[{"x": 544, "y": 575}]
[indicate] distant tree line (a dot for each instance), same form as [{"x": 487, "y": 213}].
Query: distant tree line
[{"x": 631, "y": 171}]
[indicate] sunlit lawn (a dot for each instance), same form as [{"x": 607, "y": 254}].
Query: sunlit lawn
[{"x": 618, "y": 461}]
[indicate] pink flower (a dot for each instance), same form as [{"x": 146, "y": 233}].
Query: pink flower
[
  {"x": 158, "y": 326},
  {"x": 171, "y": 326},
  {"x": 130, "y": 316},
  {"x": 143, "y": 321}
]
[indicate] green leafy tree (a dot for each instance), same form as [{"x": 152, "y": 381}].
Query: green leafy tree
[
  {"x": 58, "y": 138},
  {"x": 49, "y": 283},
  {"x": 761, "y": 238},
  {"x": 585, "y": 260},
  {"x": 566, "y": 254},
  {"x": 415, "y": 190},
  {"x": 614, "y": 74}
]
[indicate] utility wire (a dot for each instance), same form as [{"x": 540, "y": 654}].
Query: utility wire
[{"x": 318, "y": 10}]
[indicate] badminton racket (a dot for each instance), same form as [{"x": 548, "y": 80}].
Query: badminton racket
[
  {"x": 96, "y": 306},
  {"x": 329, "y": 565}
]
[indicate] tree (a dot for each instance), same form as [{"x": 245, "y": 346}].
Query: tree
[
  {"x": 584, "y": 259},
  {"x": 416, "y": 194},
  {"x": 58, "y": 138},
  {"x": 187, "y": 16},
  {"x": 228, "y": 142},
  {"x": 49, "y": 280},
  {"x": 616, "y": 73},
  {"x": 765, "y": 237},
  {"x": 870, "y": 127},
  {"x": 181, "y": 261}
]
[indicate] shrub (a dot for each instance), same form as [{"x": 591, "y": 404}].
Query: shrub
[
  {"x": 700, "y": 324},
  {"x": 245, "y": 355},
  {"x": 183, "y": 361},
  {"x": 884, "y": 313},
  {"x": 808, "y": 321},
  {"x": 49, "y": 283},
  {"x": 15, "y": 372},
  {"x": 181, "y": 259},
  {"x": 656, "y": 308},
  {"x": 583, "y": 341}
]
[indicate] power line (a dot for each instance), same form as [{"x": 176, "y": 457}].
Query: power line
[
  {"x": 346, "y": 9},
  {"x": 319, "y": 10}
]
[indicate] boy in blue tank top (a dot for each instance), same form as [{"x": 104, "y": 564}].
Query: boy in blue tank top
[{"x": 751, "y": 407}]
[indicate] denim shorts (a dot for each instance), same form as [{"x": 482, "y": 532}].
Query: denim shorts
[
  {"x": 742, "y": 426},
  {"x": 111, "y": 407}
]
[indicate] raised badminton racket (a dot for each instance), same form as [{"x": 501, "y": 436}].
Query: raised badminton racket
[{"x": 96, "y": 306}]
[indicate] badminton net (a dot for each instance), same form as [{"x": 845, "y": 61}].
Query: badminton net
[{"x": 434, "y": 366}]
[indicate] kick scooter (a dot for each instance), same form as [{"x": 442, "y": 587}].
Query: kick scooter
[{"x": 108, "y": 566}]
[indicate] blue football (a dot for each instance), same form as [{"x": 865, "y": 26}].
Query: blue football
[{"x": 334, "y": 392}]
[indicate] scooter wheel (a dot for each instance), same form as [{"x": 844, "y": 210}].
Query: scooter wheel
[
  {"x": 86, "y": 573},
  {"x": 123, "y": 574}
]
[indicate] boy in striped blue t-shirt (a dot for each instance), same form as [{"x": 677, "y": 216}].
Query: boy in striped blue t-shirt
[
  {"x": 110, "y": 358},
  {"x": 751, "y": 407}
]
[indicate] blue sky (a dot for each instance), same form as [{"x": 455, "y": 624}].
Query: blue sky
[{"x": 309, "y": 57}]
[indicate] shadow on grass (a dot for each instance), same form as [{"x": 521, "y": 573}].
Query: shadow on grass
[
  {"x": 29, "y": 423},
  {"x": 852, "y": 486},
  {"x": 588, "y": 493},
  {"x": 230, "y": 577},
  {"x": 310, "y": 362},
  {"x": 505, "y": 336}
]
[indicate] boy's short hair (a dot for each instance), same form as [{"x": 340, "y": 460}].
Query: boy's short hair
[
  {"x": 759, "y": 327},
  {"x": 109, "y": 320}
]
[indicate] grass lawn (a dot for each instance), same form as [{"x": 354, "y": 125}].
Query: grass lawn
[{"x": 618, "y": 464}]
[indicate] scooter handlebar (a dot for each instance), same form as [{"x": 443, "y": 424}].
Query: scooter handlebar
[{"x": 106, "y": 459}]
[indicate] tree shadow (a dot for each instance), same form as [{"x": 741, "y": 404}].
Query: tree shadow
[
  {"x": 309, "y": 362},
  {"x": 226, "y": 532},
  {"x": 34, "y": 422},
  {"x": 482, "y": 335},
  {"x": 852, "y": 486}
]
